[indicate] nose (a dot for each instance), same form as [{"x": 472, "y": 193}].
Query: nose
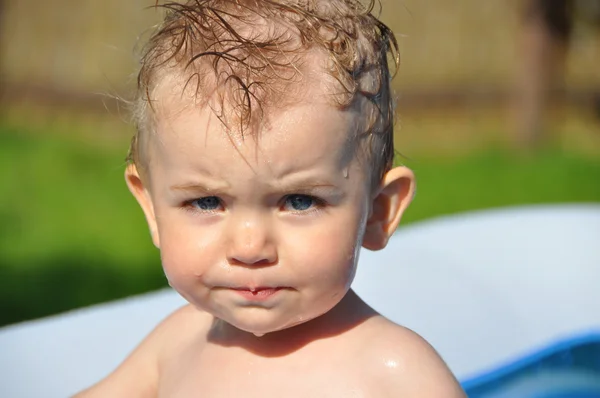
[{"x": 251, "y": 243}]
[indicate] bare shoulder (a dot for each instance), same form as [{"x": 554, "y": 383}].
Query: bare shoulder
[
  {"x": 405, "y": 364},
  {"x": 138, "y": 374}
]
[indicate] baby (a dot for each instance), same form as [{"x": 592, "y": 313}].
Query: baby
[{"x": 263, "y": 163}]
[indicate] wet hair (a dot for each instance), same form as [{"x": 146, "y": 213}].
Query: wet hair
[{"x": 243, "y": 56}]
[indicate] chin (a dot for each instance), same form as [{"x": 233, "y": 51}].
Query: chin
[
  {"x": 255, "y": 326},
  {"x": 261, "y": 324},
  {"x": 261, "y": 328}
]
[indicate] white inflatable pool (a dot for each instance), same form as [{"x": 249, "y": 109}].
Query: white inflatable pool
[{"x": 509, "y": 297}]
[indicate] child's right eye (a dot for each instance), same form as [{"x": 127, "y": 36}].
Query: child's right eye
[{"x": 208, "y": 203}]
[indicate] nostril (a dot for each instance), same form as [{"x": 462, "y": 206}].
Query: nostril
[
  {"x": 259, "y": 256},
  {"x": 252, "y": 261},
  {"x": 264, "y": 261}
]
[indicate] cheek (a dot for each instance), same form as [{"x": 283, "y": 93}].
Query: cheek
[
  {"x": 335, "y": 244},
  {"x": 186, "y": 251},
  {"x": 333, "y": 249}
]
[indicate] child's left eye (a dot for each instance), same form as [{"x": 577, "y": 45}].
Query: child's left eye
[{"x": 299, "y": 202}]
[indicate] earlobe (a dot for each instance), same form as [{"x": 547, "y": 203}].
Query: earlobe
[
  {"x": 140, "y": 192},
  {"x": 391, "y": 200}
]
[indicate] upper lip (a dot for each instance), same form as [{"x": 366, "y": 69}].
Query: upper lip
[{"x": 255, "y": 288}]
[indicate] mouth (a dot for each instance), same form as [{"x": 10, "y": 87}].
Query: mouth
[{"x": 257, "y": 293}]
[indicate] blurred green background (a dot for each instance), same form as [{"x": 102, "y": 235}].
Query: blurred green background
[{"x": 71, "y": 235}]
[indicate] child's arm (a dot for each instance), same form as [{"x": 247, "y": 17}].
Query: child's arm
[{"x": 138, "y": 375}]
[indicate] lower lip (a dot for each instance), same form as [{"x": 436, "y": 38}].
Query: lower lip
[{"x": 258, "y": 294}]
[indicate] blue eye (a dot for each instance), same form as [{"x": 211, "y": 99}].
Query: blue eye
[
  {"x": 207, "y": 203},
  {"x": 299, "y": 202}
]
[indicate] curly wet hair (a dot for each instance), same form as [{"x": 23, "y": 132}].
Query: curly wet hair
[{"x": 247, "y": 54}]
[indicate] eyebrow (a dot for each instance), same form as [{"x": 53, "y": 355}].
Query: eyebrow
[
  {"x": 300, "y": 186},
  {"x": 304, "y": 186},
  {"x": 196, "y": 187}
]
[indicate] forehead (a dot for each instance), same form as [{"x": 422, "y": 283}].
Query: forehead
[{"x": 297, "y": 136}]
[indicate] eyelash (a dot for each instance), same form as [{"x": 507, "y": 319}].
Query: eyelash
[
  {"x": 317, "y": 206},
  {"x": 189, "y": 205}
]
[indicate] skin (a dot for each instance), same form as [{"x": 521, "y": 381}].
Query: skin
[{"x": 284, "y": 209}]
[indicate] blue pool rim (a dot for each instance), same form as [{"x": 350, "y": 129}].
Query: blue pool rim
[{"x": 535, "y": 360}]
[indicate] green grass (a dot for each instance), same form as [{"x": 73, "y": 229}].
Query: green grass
[
  {"x": 71, "y": 234},
  {"x": 497, "y": 178}
]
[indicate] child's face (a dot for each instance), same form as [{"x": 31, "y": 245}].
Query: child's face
[{"x": 264, "y": 232}]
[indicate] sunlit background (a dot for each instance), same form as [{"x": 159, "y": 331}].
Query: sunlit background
[{"x": 494, "y": 110}]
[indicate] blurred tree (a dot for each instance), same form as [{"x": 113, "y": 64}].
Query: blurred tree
[
  {"x": 547, "y": 26},
  {"x": 1, "y": 52},
  {"x": 544, "y": 43}
]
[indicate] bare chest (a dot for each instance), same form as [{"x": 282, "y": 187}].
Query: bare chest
[{"x": 218, "y": 374}]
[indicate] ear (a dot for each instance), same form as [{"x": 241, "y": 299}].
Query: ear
[
  {"x": 391, "y": 200},
  {"x": 142, "y": 195}
]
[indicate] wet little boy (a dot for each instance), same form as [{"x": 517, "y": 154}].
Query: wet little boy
[{"x": 263, "y": 163}]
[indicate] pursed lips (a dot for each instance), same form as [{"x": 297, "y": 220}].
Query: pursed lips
[{"x": 259, "y": 292}]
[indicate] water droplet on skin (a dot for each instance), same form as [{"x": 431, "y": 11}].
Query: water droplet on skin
[
  {"x": 346, "y": 173},
  {"x": 259, "y": 334}
]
